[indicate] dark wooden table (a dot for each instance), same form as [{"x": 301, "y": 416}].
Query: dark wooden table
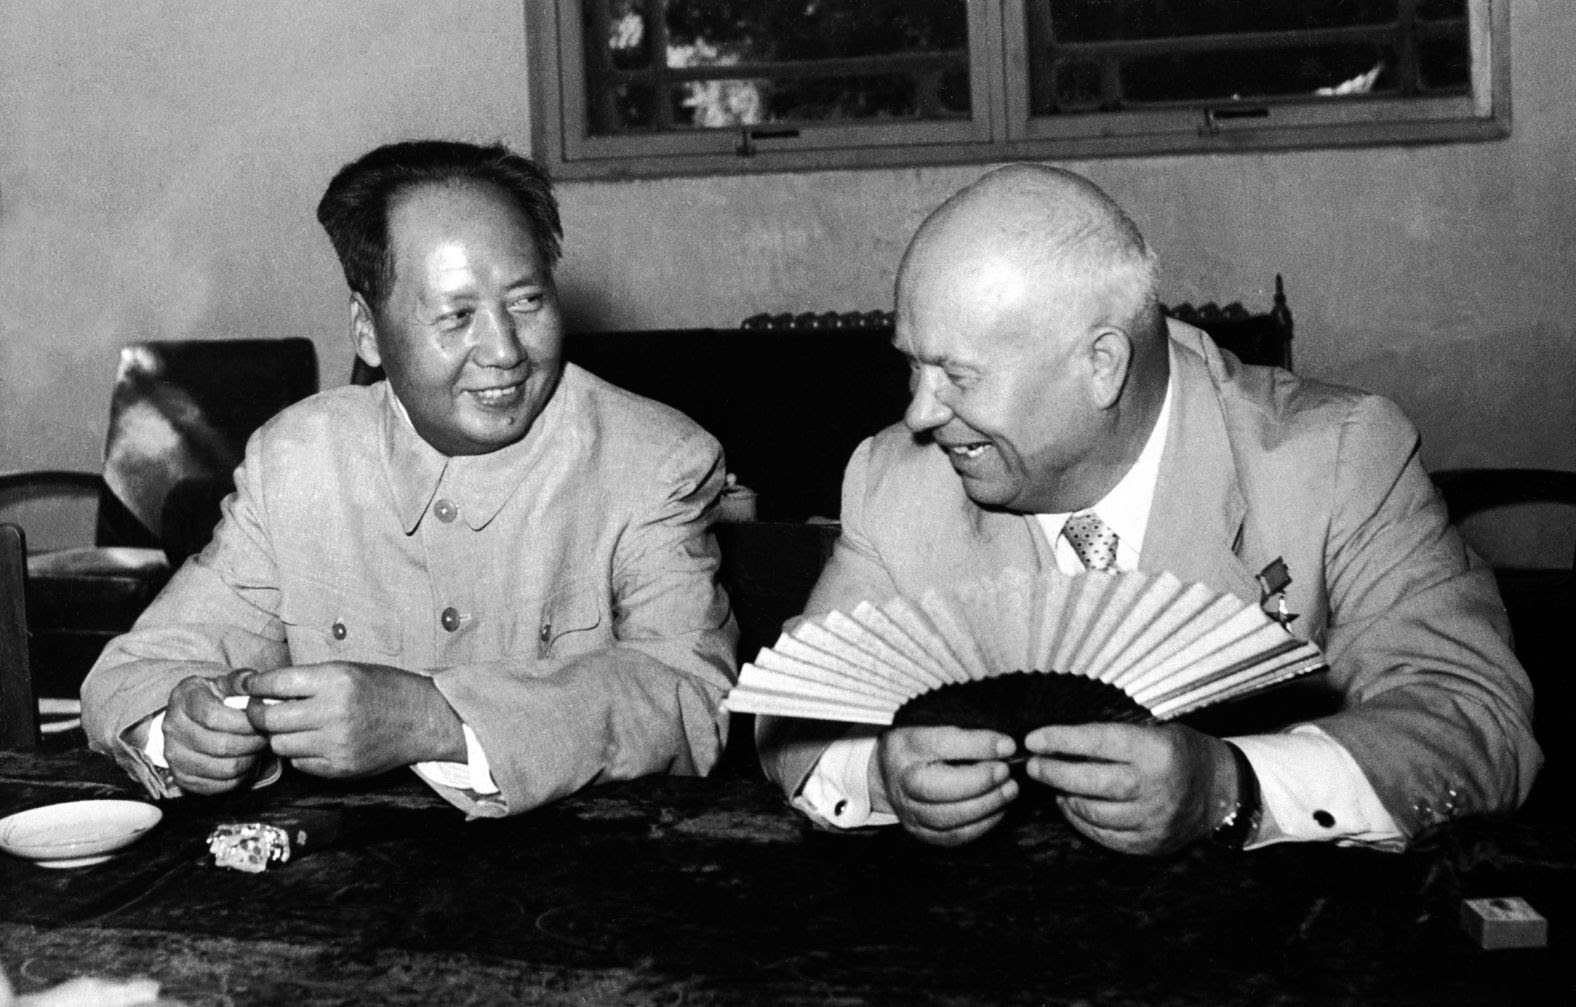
[{"x": 673, "y": 891}]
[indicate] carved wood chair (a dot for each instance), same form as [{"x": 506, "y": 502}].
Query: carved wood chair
[{"x": 1255, "y": 337}]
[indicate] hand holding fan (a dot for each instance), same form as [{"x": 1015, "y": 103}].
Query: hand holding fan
[{"x": 1019, "y": 651}]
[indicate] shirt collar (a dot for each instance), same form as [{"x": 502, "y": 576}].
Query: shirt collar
[
  {"x": 1125, "y": 509},
  {"x": 479, "y": 485}
]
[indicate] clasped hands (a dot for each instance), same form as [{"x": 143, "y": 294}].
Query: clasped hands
[
  {"x": 339, "y": 719},
  {"x": 1135, "y": 789}
]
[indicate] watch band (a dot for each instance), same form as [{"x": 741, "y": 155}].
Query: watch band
[{"x": 1241, "y": 823}]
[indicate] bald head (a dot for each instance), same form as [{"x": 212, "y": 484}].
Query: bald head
[
  {"x": 1065, "y": 238},
  {"x": 1026, "y": 304}
]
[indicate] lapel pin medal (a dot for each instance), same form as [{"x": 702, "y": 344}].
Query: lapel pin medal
[{"x": 1273, "y": 580}]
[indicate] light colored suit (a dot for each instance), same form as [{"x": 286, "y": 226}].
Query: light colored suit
[
  {"x": 1258, "y": 464},
  {"x": 561, "y": 591}
]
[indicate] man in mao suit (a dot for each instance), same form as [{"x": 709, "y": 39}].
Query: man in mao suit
[
  {"x": 493, "y": 567},
  {"x": 1047, "y": 387}
]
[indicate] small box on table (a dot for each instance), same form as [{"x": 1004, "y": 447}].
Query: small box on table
[{"x": 1504, "y": 923}]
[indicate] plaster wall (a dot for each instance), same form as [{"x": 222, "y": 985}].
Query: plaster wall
[{"x": 160, "y": 161}]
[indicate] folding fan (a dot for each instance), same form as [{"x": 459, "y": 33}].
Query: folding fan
[{"x": 1019, "y": 651}]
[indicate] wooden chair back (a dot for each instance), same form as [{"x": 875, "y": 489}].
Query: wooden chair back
[{"x": 18, "y": 708}]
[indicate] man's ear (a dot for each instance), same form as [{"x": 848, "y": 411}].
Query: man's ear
[
  {"x": 363, "y": 332},
  {"x": 1110, "y": 362}
]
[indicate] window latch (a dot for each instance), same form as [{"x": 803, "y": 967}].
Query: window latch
[
  {"x": 1214, "y": 116},
  {"x": 749, "y": 134}
]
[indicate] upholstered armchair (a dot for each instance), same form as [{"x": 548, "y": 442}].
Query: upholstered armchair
[{"x": 180, "y": 412}]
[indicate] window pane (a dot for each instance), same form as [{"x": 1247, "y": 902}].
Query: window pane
[
  {"x": 733, "y": 102},
  {"x": 1216, "y": 76},
  {"x": 723, "y": 64},
  {"x": 1109, "y": 20},
  {"x": 1444, "y": 64},
  {"x": 635, "y": 105},
  {"x": 781, "y": 30},
  {"x": 645, "y": 88},
  {"x": 1106, "y": 55}
]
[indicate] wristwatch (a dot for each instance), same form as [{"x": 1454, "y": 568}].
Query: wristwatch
[{"x": 1241, "y": 823}]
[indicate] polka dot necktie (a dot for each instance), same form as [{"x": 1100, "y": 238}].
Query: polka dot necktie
[{"x": 1092, "y": 539}]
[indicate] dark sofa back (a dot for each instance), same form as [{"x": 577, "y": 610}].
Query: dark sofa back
[{"x": 789, "y": 406}]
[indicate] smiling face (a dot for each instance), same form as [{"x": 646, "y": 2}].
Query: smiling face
[
  {"x": 1025, "y": 304},
  {"x": 1000, "y": 381},
  {"x": 470, "y": 335}
]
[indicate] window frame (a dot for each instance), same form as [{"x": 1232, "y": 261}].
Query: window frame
[{"x": 1000, "y": 127}]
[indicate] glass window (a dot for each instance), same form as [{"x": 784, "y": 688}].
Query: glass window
[
  {"x": 1094, "y": 55},
  {"x": 662, "y": 65},
  {"x": 674, "y": 86}
]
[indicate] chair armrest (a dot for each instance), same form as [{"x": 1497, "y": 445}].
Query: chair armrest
[
  {"x": 45, "y": 493},
  {"x": 51, "y": 479}
]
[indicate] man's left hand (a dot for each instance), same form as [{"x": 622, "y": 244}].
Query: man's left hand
[
  {"x": 1135, "y": 789},
  {"x": 343, "y": 719}
]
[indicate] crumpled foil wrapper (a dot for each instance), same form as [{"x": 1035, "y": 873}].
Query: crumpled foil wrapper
[
  {"x": 253, "y": 846},
  {"x": 248, "y": 846}
]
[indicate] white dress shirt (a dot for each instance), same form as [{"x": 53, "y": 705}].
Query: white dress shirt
[{"x": 1312, "y": 788}]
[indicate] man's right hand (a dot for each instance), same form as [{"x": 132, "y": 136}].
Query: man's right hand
[
  {"x": 210, "y": 747},
  {"x": 947, "y": 785}
]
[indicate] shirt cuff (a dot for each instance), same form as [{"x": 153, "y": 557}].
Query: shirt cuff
[
  {"x": 1314, "y": 791},
  {"x": 154, "y": 749},
  {"x": 152, "y": 768},
  {"x": 474, "y": 774},
  {"x": 836, "y": 793},
  {"x": 144, "y": 757}
]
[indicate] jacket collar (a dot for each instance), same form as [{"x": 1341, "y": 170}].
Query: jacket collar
[
  {"x": 1198, "y": 505},
  {"x": 418, "y": 474}
]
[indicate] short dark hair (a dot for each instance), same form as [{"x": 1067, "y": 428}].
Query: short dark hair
[{"x": 355, "y": 208}]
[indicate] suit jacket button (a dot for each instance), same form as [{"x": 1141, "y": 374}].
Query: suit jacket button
[
  {"x": 339, "y": 629},
  {"x": 450, "y": 620}
]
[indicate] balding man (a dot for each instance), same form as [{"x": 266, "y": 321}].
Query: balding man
[{"x": 1049, "y": 392}]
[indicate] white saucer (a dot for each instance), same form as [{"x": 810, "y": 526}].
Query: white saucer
[
  {"x": 75, "y": 861},
  {"x": 77, "y": 833}
]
